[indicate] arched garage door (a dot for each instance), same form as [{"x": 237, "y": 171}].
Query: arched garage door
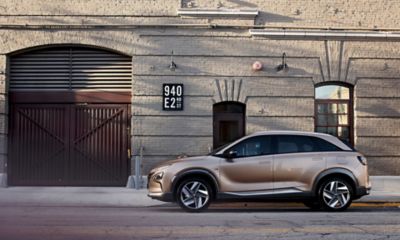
[{"x": 69, "y": 124}]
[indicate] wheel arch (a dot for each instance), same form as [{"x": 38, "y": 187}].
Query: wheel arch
[
  {"x": 335, "y": 172},
  {"x": 193, "y": 173}
]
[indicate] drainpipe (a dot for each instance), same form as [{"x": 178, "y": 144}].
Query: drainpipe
[{"x": 324, "y": 34}]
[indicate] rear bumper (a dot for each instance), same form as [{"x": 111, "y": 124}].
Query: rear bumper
[
  {"x": 165, "y": 197},
  {"x": 362, "y": 191}
]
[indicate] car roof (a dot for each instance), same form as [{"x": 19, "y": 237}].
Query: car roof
[
  {"x": 327, "y": 137},
  {"x": 324, "y": 136},
  {"x": 287, "y": 132}
]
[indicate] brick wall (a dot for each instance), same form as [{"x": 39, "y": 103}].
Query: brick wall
[
  {"x": 210, "y": 61},
  {"x": 310, "y": 13},
  {"x": 3, "y": 120}
]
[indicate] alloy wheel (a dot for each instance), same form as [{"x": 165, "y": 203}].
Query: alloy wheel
[
  {"x": 194, "y": 195},
  {"x": 336, "y": 194}
]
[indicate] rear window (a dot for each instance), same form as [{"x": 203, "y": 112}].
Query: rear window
[
  {"x": 325, "y": 146},
  {"x": 348, "y": 144},
  {"x": 293, "y": 143},
  {"x": 296, "y": 143}
]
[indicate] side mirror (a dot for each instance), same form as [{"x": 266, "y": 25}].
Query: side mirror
[{"x": 230, "y": 155}]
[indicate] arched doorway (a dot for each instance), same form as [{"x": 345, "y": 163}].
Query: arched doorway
[
  {"x": 334, "y": 110},
  {"x": 228, "y": 122},
  {"x": 69, "y": 117}
]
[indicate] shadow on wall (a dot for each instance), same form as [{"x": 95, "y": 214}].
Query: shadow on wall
[
  {"x": 267, "y": 17},
  {"x": 377, "y": 110},
  {"x": 242, "y": 4},
  {"x": 255, "y": 124}
]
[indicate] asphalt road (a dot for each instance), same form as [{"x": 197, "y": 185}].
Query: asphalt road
[{"x": 220, "y": 222}]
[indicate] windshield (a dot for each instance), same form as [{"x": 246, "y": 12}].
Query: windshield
[{"x": 213, "y": 152}]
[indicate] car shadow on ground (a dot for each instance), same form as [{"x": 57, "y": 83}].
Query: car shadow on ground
[{"x": 219, "y": 208}]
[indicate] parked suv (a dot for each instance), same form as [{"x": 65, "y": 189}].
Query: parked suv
[{"x": 315, "y": 168}]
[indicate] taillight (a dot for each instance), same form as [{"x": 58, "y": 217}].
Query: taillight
[{"x": 362, "y": 160}]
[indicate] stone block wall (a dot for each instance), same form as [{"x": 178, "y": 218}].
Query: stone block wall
[
  {"x": 214, "y": 64},
  {"x": 3, "y": 120}
]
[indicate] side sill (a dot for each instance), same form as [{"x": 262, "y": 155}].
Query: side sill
[{"x": 223, "y": 196}]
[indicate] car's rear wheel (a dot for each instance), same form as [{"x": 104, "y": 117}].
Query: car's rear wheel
[
  {"x": 194, "y": 195},
  {"x": 335, "y": 194}
]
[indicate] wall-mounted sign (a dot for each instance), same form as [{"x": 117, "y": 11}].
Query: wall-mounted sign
[{"x": 172, "y": 96}]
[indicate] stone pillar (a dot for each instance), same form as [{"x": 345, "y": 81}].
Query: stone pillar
[{"x": 3, "y": 121}]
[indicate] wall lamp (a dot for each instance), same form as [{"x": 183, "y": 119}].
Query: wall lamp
[
  {"x": 283, "y": 66},
  {"x": 172, "y": 65}
]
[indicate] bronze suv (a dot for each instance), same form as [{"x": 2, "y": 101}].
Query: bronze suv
[{"x": 314, "y": 168}]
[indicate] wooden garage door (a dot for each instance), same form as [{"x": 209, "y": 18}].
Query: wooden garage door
[
  {"x": 69, "y": 144},
  {"x": 69, "y": 116}
]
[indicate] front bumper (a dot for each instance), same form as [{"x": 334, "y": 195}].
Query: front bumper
[
  {"x": 161, "y": 196},
  {"x": 156, "y": 191}
]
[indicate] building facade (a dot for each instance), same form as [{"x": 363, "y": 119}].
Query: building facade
[{"x": 89, "y": 86}]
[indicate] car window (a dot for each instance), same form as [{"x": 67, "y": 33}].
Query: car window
[
  {"x": 255, "y": 146},
  {"x": 293, "y": 143},
  {"x": 325, "y": 146}
]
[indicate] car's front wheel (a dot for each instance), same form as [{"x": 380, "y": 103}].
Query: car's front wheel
[
  {"x": 194, "y": 195},
  {"x": 335, "y": 194}
]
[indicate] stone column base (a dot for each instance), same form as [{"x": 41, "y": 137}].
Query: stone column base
[
  {"x": 3, "y": 179},
  {"x": 131, "y": 183}
]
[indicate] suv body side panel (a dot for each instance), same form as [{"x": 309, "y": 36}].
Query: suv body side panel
[
  {"x": 247, "y": 174},
  {"x": 297, "y": 170},
  {"x": 348, "y": 160}
]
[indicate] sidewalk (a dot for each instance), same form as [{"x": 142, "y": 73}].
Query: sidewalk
[
  {"x": 76, "y": 196},
  {"x": 115, "y": 197}
]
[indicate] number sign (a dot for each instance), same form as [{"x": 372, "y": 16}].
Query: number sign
[{"x": 172, "y": 97}]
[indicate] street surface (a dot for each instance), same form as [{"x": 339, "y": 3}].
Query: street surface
[{"x": 219, "y": 222}]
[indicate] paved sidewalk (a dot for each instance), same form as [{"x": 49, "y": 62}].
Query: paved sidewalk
[
  {"x": 114, "y": 197},
  {"x": 76, "y": 196}
]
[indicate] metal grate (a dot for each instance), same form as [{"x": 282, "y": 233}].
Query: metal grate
[{"x": 70, "y": 68}]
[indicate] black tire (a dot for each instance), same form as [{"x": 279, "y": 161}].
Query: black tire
[
  {"x": 312, "y": 204},
  {"x": 194, "y": 195},
  {"x": 335, "y": 194}
]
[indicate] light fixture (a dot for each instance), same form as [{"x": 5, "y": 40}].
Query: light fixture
[
  {"x": 283, "y": 66},
  {"x": 172, "y": 65},
  {"x": 257, "y": 66}
]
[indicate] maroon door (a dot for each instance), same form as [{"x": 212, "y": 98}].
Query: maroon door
[
  {"x": 69, "y": 144},
  {"x": 229, "y": 122}
]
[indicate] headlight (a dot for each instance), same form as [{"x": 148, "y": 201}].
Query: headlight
[
  {"x": 159, "y": 173},
  {"x": 158, "y": 176}
]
